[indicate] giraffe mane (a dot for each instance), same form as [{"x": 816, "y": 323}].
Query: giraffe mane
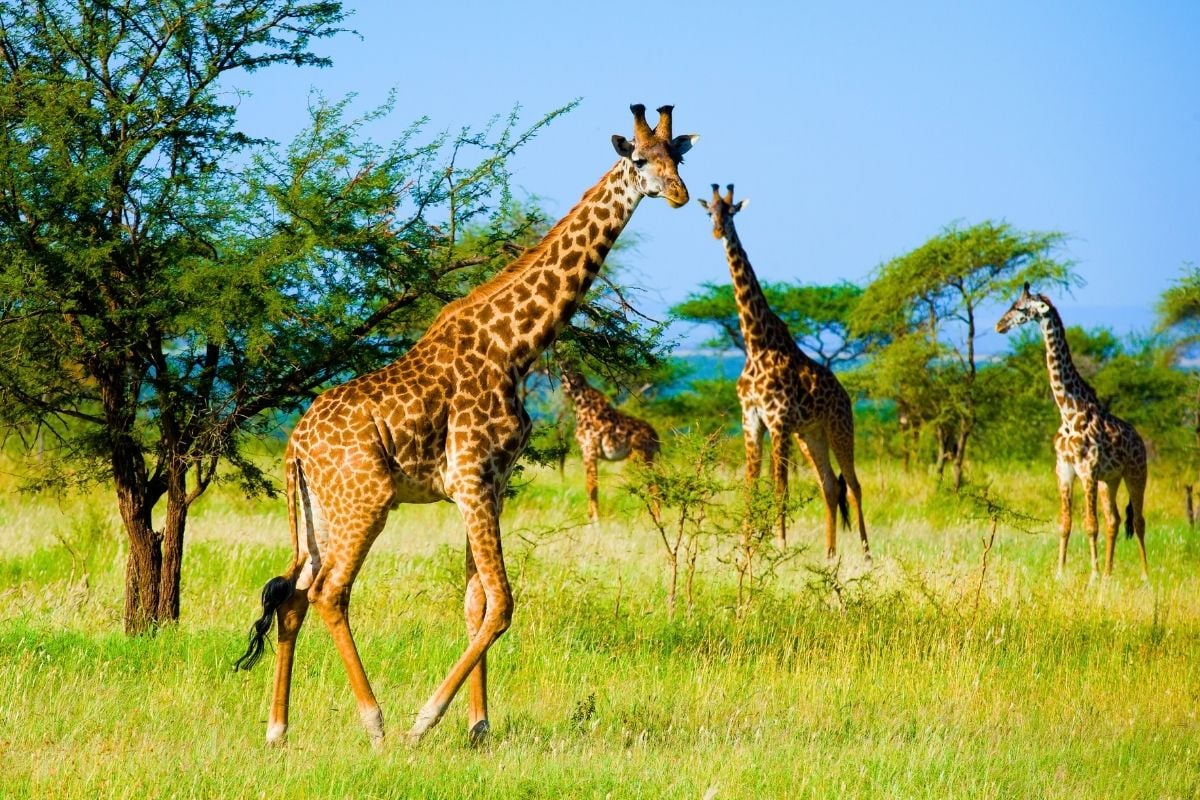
[{"x": 506, "y": 276}]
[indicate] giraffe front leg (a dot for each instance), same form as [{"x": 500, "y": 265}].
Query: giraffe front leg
[
  {"x": 781, "y": 448},
  {"x": 1066, "y": 481},
  {"x": 474, "y": 609},
  {"x": 1090, "y": 523},
  {"x": 590, "y": 458},
  {"x": 753, "y": 430},
  {"x": 1112, "y": 521},
  {"x": 480, "y": 507}
]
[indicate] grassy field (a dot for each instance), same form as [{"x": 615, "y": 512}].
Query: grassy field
[{"x": 923, "y": 676}]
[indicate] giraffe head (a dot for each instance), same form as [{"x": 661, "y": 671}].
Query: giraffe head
[
  {"x": 1026, "y": 307},
  {"x": 655, "y": 155},
  {"x": 722, "y": 209},
  {"x": 572, "y": 380}
]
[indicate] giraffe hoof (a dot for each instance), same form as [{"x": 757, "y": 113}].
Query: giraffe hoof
[
  {"x": 479, "y": 733},
  {"x": 277, "y": 736}
]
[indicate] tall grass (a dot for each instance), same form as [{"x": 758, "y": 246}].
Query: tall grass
[{"x": 855, "y": 682}]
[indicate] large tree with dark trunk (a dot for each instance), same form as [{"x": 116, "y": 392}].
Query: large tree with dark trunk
[{"x": 169, "y": 286}]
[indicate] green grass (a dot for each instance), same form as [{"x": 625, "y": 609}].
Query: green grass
[{"x": 901, "y": 687}]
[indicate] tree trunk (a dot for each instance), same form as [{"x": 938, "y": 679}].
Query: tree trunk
[
  {"x": 960, "y": 454},
  {"x": 172, "y": 547},
  {"x": 143, "y": 569},
  {"x": 1191, "y": 508}
]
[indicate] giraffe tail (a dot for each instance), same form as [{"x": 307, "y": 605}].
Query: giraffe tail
[
  {"x": 279, "y": 589},
  {"x": 274, "y": 594},
  {"x": 843, "y": 502},
  {"x": 1129, "y": 521}
]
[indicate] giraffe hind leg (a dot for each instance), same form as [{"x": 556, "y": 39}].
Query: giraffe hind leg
[
  {"x": 816, "y": 449},
  {"x": 848, "y": 486},
  {"x": 330, "y": 595},
  {"x": 1136, "y": 518}
]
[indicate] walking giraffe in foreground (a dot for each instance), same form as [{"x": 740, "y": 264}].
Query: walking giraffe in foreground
[
  {"x": 444, "y": 422},
  {"x": 604, "y": 432},
  {"x": 783, "y": 391},
  {"x": 1099, "y": 447}
]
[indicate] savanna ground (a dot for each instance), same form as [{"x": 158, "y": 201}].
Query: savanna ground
[{"x": 909, "y": 679}]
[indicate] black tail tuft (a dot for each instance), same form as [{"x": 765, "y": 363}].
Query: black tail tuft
[
  {"x": 274, "y": 594},
  {"x": 843, "y": 502},
  {"x": 1129, "y": 521}
]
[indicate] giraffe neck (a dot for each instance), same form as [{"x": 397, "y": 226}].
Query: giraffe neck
[
  {"x": 522, "y": 309},
  {"x": 761, "y": 328},
  {"x": 1070, "y": 390}
]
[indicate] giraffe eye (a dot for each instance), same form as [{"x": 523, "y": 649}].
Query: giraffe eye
[{"x": 639, "y": 162}]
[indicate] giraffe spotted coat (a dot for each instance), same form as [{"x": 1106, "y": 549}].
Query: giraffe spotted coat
[
  {"x": 444, "y": 422},
  {"x": 784, "y": 392},
  {"x": 1099, "y": 448},
  {"x": 603, "y": 432}
]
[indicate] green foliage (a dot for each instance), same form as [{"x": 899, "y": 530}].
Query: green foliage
[
  {"x": 1179, "y": 307},
  {"x": 680, "y": 495},
  {"x": 1134, "y": 379},
  {"x": 817, "y": 316},
  {"x": 922, "y": 308},
  {"x": 171, "y": 288}
]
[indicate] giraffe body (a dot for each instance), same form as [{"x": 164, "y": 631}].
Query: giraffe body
[
  {"x": 1099, "y": 448},
  {"x": 444, "y": 422},
  {"x": 784, "y": 392},
  {"x": 605, "y": 433}
]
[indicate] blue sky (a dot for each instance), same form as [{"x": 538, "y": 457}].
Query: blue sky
[{"x": 858, "y": 130}]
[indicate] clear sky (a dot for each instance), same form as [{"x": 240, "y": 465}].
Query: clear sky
[{"x": 858, "y": 130}]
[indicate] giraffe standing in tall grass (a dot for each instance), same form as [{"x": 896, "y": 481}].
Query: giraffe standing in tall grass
[
  {"x": 1100, "y": 448},
  {"x": 444, "y": 422},
  {"x": 782, "y": 391},
  {"x": 603, "y": 432}
]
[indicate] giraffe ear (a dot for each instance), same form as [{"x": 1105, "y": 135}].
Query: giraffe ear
[
  {"x": 740, "y": 204},
  {"x": 703, "y": 203},
  {"x": 1041, "y": 306},
  {"x": 622, "y": 145},
  {"x": 681, "y": 144}
]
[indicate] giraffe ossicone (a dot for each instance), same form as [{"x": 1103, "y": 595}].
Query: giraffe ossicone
[
  {"x": 444, "y": 422},
  {"x": 784, "y": 392}
]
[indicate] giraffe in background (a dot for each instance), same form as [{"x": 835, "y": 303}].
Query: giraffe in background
[
  {"x": 444, "y": 422},
  {"x": 604, "y": 432},
  {"x": 783, "y": 391},
  {"x": 1098, "y": 447}
]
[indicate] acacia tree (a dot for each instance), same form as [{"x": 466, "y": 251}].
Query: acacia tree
[
  {"x": 817, "y": 316},
  {"x": 923, "y": 310},
  {"x": 1179, "y": 320},
  {"x": 159, "y": 302}
]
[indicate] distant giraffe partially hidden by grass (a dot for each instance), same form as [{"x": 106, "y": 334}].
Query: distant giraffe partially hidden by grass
[
  {"x": 603, "y": 432},
  {"x": 445, "y": 422},
  {"x": 1099, "y": 447},
  {"x": 784, "y": 392}
]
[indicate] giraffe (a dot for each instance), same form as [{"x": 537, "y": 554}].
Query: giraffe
[
  {"x": 784, "y": 392},
  {"x": 444, "y": 422},
  {"x": 1098, "y": 447},
  {"x": 604, "y": 432}
]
